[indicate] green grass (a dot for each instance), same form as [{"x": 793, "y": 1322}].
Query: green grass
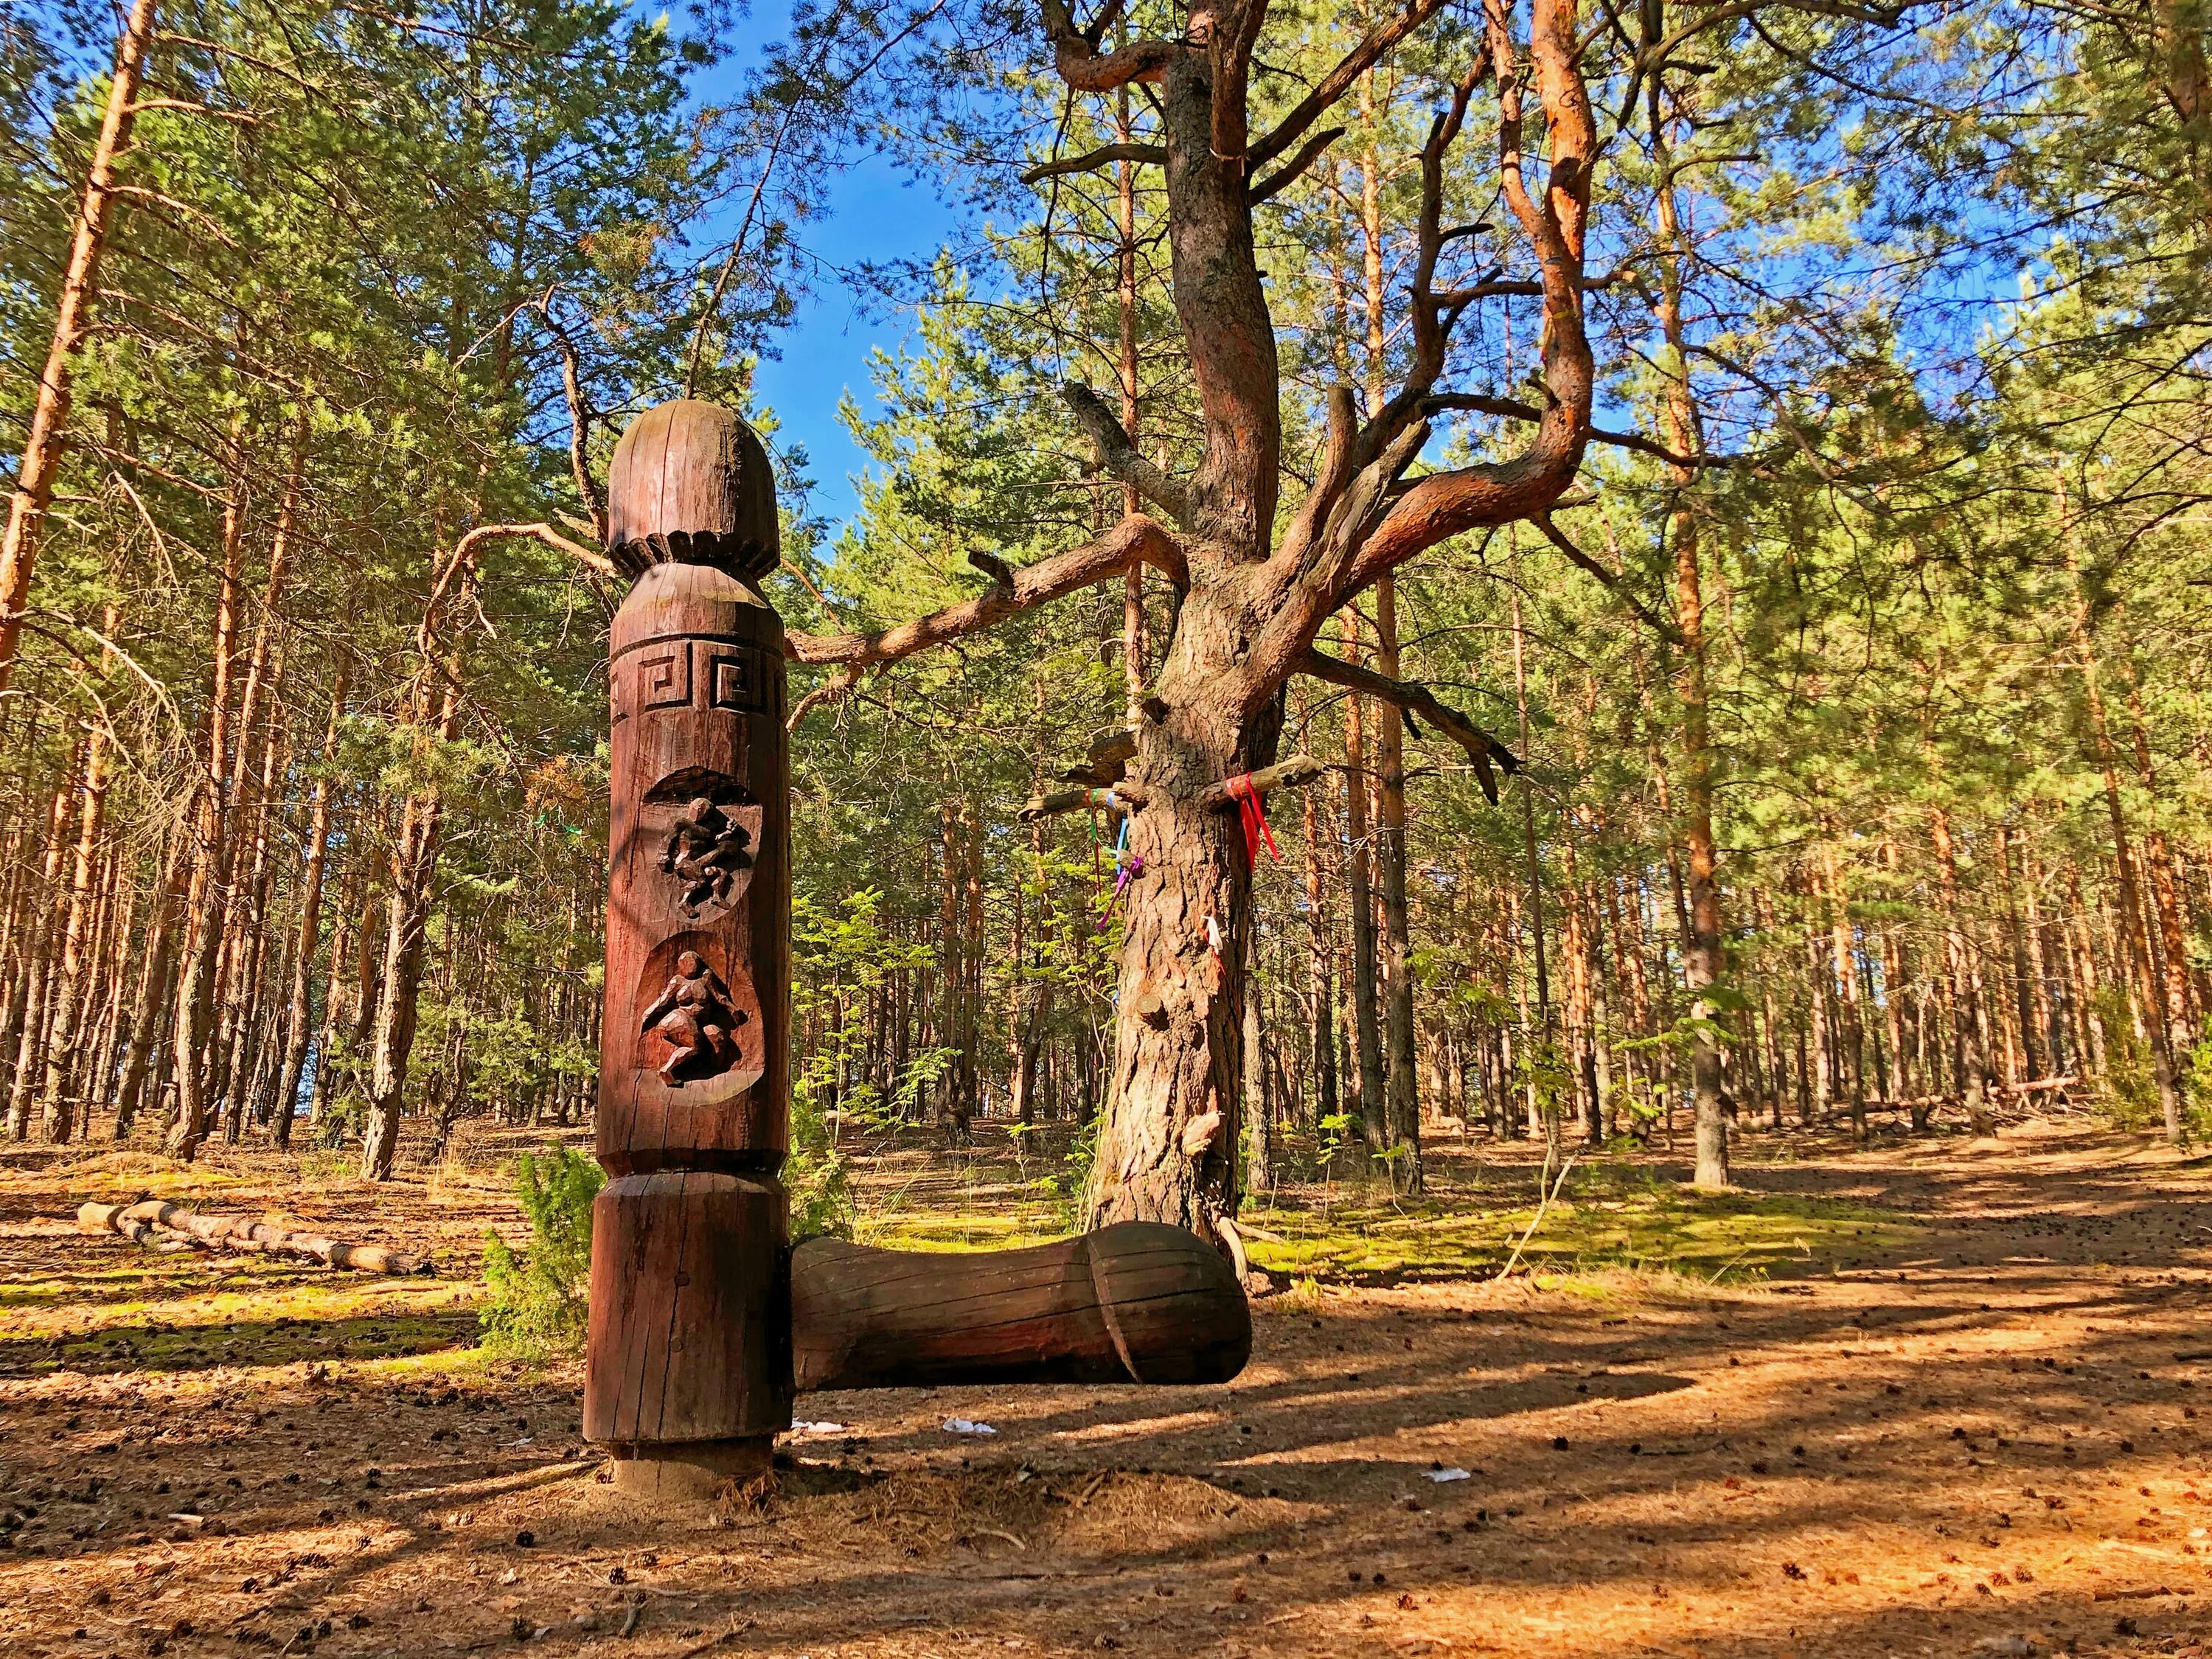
[{"x": 1601, "y": 1223}]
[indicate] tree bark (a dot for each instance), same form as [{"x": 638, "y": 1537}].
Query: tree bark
[
  {"x": 2134, "y": 934},
  {"x": 37, "y": 976},
  {"x": 1402, "y": 1086},
  {"x": 314, "y": 860},
  {"x": 1374, "y": 1109},
  {"x": 48, "y": 438},
  {"x": 1705, "y": 964},
  {"x": 205, "y": 905},
  {"x": 66, "y": 1073}
]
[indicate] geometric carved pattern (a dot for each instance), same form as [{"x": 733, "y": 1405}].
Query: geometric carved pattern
[
  {"x": 665, "y": 678},
  {"x": 733, "y": 679}
]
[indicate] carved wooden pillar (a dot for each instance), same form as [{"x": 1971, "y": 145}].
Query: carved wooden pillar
[{"x": 688, "y": 1371}]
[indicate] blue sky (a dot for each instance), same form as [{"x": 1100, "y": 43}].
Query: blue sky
[{"x": 875, "y": 215}]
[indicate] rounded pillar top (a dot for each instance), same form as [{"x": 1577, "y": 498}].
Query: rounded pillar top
[{"x": 690, "y": 484}]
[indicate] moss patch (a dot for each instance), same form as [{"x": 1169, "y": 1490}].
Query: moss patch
[{"x": 1607, "y": 1224}]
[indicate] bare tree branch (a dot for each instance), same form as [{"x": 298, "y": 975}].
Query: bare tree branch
[
  {"x": 1607, "y": 579},
  {"x": 1444, "y": 504},
  {"x": 1086, "y": 69},
  {"x": 1286, "y": 175},
  {"x": 1515, "y": 408},
  {"x": 1134, "y": 540},
  {"x": 1291, "y": 773},
  {"x": 836, "y": 689},
  {"x": 1416, "y": 699},
  {"x": 1153, "y": 154},
  {"x": 1341, "y": 79},
  {"x": 1121, "y": 458}
]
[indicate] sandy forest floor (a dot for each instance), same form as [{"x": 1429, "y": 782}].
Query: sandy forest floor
[{"x": 1933, "y": 1397}]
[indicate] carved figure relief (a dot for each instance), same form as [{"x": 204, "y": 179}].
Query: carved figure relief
[
  {"x": 696, "y": 1016},
  {"x": 706, "y": 849}
]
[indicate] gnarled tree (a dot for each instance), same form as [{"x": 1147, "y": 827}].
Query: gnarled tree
[{"x": 1258, "y": 584}]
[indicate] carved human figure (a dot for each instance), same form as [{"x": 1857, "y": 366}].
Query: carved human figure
[
  {"x": 695, "y": 1014},
  {"x": 706, "y": 849}
]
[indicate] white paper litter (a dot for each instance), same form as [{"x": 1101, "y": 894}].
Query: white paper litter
[
  {"x": 965, "y": 1425},
  {"x": 819, "y": 1428},
  {"x": 1442, "y": 1475}
]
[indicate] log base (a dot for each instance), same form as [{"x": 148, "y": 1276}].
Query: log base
[
  {"x": 690, "y": 1323},
  {"x": 690, "y": 1472}
]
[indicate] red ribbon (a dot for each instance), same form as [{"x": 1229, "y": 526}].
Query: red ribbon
[{"x": 1255, "y": 817}]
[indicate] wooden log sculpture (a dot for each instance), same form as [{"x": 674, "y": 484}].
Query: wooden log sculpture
[
  {"x": 1133, "y": 1302},
  {"x": 687, "y": 1372},
  {"x": 703, "y": 1323}
]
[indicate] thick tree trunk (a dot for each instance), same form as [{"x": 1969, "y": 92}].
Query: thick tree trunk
[
  {"x": 48, "y": 437},
  {"x": 1167, "y": 1148}
]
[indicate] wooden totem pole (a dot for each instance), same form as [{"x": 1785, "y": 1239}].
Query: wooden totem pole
[
  {"x": 688, "y": 1375},
  {"x": 703, "y": 1319}
]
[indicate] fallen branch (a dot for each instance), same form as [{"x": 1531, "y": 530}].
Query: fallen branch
[
  {"x": 147, "y": 1222},
  {"x": 1514, "y": 1260}
]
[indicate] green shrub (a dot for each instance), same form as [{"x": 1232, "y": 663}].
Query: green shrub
[{"x": 537, "y": 1309}]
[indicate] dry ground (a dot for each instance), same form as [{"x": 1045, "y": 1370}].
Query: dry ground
[{"x": 1984, "y": 1437}]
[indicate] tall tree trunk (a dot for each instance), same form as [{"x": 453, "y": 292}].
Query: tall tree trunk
[
  {"x": 1319, "y": 988},
  {"x": 1260, "y": 1149},
  {"x": 1136, "y": 667},
  {"x": 205, "y": 905},
  {"x": 1903, "y": 1085},
  {"x": 37, "y": 976},
  {"x": 315, "y": 861},
  {"x": 1706, "y": 965},
  {"x": 48, "y": 438},
  {"x": 1374, "y": 1098},
  {"x": 1401, "y": 1085},
  {"x": 1537, "y": 1056},
  {"x": 1852, "y": 1030},
  {"x": 414, "y": 873},
  {"x": 154, "y": 979},
  {"x": 1969, "y": 1054},
  {"x": 2049, "y": 1002},
  {"x": 414, "y": 870},
  {"x": 2159, "y": 865},
  {"x": 2135, "y": 937},
  {"x": 66, "y": 1075}
]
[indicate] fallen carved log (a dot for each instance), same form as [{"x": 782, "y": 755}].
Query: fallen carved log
[
  {"x": 146, "y": 1221},
  {"x": 1137, "y": 1302}
]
